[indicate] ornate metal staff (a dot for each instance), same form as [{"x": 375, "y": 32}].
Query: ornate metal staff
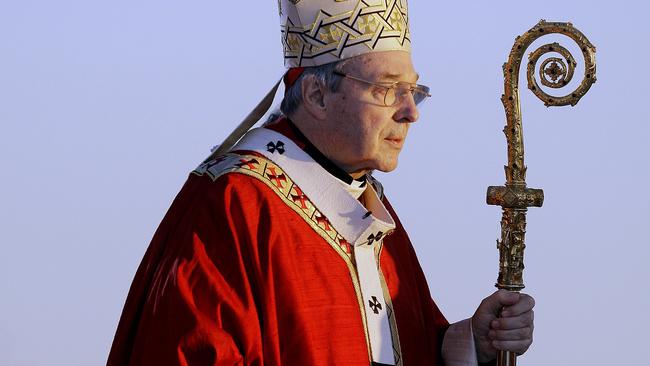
[{"x": 515, "y": 197}]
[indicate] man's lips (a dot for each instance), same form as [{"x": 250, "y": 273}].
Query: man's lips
[{"x": 395, "y": 141}]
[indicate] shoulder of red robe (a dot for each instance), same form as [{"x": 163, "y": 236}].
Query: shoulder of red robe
[{"x": 274, "y": 177}]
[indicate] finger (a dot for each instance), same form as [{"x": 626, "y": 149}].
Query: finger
[
  {"x": 518, "y": 347},
  {"x": 514, "y": 322},
  {"x": 506, "y": 298},
  {"x": 520, "y": 334},
  {"x": 495, "y": 302},
  {"x": 525, "y": 303}
]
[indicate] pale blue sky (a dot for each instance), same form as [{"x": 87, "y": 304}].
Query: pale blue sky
[{"x": 105, "y": 106}]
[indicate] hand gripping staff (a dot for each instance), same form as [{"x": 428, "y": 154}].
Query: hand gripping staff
[{"x": 515, "y": 197}]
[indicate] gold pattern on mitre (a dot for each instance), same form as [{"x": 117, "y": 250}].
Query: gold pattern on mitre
[{"x": 316, "y": 32}]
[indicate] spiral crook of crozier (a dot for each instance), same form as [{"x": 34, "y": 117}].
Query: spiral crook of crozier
[{"x": 555, "y": 72}]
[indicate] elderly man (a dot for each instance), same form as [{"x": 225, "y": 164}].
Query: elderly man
[{"x": 284, "y": 250}]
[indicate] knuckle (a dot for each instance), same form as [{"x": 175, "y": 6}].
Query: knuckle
[{"x": 530, "y": 317}]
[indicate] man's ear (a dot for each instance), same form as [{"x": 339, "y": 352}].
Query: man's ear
[{"x": 313, "y": 97}]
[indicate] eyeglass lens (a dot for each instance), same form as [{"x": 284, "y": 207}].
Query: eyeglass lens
[{"x": 392, "y": 95}]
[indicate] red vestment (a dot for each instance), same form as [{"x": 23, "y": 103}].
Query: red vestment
[{"x": 235, "y": 276}]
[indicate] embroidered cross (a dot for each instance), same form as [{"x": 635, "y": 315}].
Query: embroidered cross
[
  {"x": 372, "y": 237},
  {"x": 344, "y": 244},
  {"x": 299, "y": 196},
  {"x": 277, "y": 178},
  {"x": 374, "y": 305},
  {"x": 320, "y": 219},
  {"x": 251, "y": 164},
  {"x": 272, "y": 147}
]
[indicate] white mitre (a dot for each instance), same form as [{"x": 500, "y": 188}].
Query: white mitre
[{"x": 316, "y": 32}]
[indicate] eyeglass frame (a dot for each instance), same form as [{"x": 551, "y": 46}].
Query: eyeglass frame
[{"x": 423, "y": 89}]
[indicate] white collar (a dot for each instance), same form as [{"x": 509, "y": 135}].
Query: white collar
[
  {"x": 349, "y": 217},
  {"x": 355, "y": 188}
]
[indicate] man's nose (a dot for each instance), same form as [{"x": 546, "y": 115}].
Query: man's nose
[{"x": 407, "y": 111}]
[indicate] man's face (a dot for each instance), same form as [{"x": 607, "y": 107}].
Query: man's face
[{"x": 364, "y": 134}]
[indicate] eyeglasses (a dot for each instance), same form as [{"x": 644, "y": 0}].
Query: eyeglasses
[{"x": 395, "y": 92}]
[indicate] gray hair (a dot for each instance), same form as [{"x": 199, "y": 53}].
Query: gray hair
[{"x": 324, "y": 73}]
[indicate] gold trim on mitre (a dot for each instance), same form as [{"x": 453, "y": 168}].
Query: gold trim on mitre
[{"x": 316, "y": 32}]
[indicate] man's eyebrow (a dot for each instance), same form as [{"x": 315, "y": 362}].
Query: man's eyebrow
[{"x": 396, "y": 77}]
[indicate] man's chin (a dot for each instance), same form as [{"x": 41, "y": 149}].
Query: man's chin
[{"x": 387, "y": 167}]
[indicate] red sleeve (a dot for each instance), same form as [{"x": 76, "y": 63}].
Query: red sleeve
[{"x": 192, "y": 301}]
